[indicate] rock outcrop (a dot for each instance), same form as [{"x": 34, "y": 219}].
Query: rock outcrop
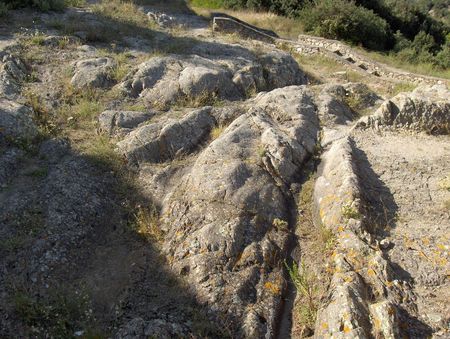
[
  {"x": 164, "y": 141},
  {"x": 16, "y": 122},
  {"x": 94, "y": 73},
  {"x": 162, "y": 81},
  {"x": 425, "y": 109},
  {"x": 12, "y": 73},
  {"x": 122, "y": 122},
  {"x": 227, "y": 222},
  {"x": 359, "y": 302}
]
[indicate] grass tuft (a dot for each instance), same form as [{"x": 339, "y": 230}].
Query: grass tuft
[
  {"x": 146, "y": 224},
  {"x": 304, "y": 281},
  {"x": 217, "y": 131}
]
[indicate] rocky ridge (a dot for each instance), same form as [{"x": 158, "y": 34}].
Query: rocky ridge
[{"x": 219, "y": 145}]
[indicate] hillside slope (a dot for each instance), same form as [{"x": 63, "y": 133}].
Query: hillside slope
[{"x": 159, "y": 178}]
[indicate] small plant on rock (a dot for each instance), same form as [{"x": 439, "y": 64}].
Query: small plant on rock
[
  {"x": 350, "y": 212},
  {"x": 146, "y": 223},
  {"x": 304, "y": 281},
  {"x": 217, "y": 131},
  {"x": 280, "y": 224}
]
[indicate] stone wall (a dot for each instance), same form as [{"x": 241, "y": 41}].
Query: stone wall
[
  {"x": 334, "y": 49},
  {"x": 229, "y": 25}
]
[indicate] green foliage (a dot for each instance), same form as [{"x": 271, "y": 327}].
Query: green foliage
[
  {"x": 350, "y": 212},
  {"x": 412, "y": 32},
  {"x": 212, "y": 4},
  {"x": 344, "y": 20},
  {"x": 42, "y": 5},
  {"x": 3, "y": 9}
]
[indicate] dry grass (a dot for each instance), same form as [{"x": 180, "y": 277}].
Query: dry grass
[
  {"x": 201, "y": 100},
  {"x": 217, "y": 132},
  {"x": 310, "y": 277},
  {"x": 283, "y": 26},
  {"x": 316, "y": 66},
  {"x": 393, "y": 61},
  {"x": 123, "y": 12},
  {"x": 146, "y": 224},
  {"x": 305, "y": 282}
]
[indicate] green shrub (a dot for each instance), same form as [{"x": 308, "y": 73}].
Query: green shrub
[
  {"x": 344, "y": 20},
  {"x": 42, "y": 5},
  {"x": 3, "y": 9}
]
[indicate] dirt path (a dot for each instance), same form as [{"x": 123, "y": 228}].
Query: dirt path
[{"x": 413, "y": 210}]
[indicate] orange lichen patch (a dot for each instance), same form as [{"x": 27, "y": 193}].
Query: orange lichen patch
[
  {"x": 351, "y": 254},
  {"x": 348, "y": 278},
  {"x": 274, "y": 288},
  {"x": 389, "y": 284},
  {"x": 179, "y": 233},
  {"x": 376, "y": 323},
  {"x": 344, "y": 235},
  {"x": 371, "y": 272},
  {"x": 422, "y": 254},
  {"x": 426, "y": 241},
  {"x": 347, "y": 329}
]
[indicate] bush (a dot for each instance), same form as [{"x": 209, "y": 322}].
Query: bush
[
  {"x": 341, "y": 19},
  {"x": 42, "y": 5}
]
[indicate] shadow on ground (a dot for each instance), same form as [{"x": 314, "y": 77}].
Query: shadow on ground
[{"x": 71, "y": 259}]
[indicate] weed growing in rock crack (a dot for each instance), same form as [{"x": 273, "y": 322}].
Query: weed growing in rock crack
[
  {"x": 200, "y": 100},
  {"x": 138, "y": 107},
  {"x": 32, "y": 77},
  {"x": 123, "y": 65},
  {"x": 304, "y": 281},
  {"x": 36, "y": 39},
  {"x": 38, "y": 172},
  {"x": 41, "y": 115},
  {"x": 30, "y": 223},
  {"x": 80, "y": 107},
  {"x": 146, "y": 223},
  {"x": 217, "y": 131},
  {"x": 328, "y": 239},
  {"x": 261, "y": 151},
  {"x": 356, "y": 101},
  {"x": 280, "y": 225},
  {"x": 350, "y": 212}
]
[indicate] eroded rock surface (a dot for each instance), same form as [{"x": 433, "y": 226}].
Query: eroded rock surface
[
  {"x": 164, "y": 80},
  {"x": 95, "y": 73},
  {"x": 197, "y": 246},
  {"x": 425, "y": 109},
  {"x": 16, "y": 122},
  {"x": 121, "y": 122},
  {"x": 12, "y": 73},
  {"x": 227, "y": 223}
]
